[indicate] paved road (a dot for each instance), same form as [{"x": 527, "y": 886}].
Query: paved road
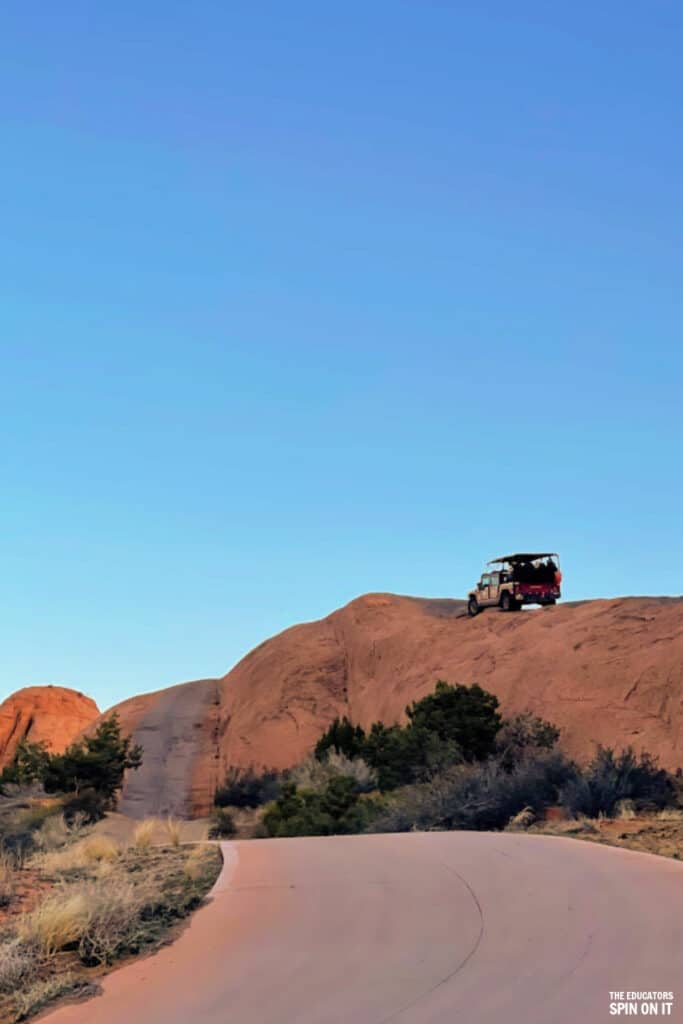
[{"x": 413, "y": 929}]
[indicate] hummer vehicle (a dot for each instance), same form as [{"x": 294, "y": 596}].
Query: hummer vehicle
[{"x": 515, "y": 580}]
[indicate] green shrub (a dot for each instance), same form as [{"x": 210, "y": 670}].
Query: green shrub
[
  {"x": 222, "y": 824},
  {"x": 343, "y": 738},
  {"x": 337, "y": 810},
  {"x": 463, "y": 715},
  {"x": 29, "y": 764},
  {"x": 245, "y": 787},
  {"x": 610, "y": 778},
  {"x": 450, "y": 725}
]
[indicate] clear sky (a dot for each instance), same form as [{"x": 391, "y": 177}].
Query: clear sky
[{"x": 303, "y": 300}]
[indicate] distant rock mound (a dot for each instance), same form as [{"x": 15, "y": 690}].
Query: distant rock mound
[
  {"x": 53, "y": 715},
  {"x": 606, "y": 672}
]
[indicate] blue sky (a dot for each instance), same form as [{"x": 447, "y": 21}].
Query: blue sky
[{"x": 302, "y": 300}]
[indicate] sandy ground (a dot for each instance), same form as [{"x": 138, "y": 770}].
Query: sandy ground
[{"x": 425, "y": 928}]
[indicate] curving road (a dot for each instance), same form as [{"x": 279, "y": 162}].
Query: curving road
[{"x": 413, "y": 929}]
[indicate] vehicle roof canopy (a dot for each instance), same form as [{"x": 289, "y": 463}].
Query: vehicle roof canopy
[{"x": 524, "y": 557}]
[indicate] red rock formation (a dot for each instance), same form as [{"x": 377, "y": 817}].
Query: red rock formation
[
  {"x": 603, "y": 671},
  {"x": 54, "y": 715}
]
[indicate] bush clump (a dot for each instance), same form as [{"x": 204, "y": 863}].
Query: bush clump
[
  {"x": 337, "y": 809},
  {"x": 451, "y": 725},
  {"x": 222, "y": 824},
  {"x": 247, "y": 788},
  {"x": 483, "y": 795},
  {"x": 611, "y": 778}
]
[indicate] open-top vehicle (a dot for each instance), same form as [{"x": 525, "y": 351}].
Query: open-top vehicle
[{"x": 515, "y": 580}]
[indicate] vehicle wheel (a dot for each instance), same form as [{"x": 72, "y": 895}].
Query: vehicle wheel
[
  {"x": 506, "y": 602},
  {"x": 472, "y": 607}
]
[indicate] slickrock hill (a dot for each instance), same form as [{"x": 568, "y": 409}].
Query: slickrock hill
[
  {"x": 51, "y": 714},
  {"x": 603, "y": 671}
]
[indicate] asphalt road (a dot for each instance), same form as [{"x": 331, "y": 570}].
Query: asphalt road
[{"x": 414, "y": 929}]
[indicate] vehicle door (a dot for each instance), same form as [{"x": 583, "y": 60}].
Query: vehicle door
[
  {"x": 483, "y": 589},
  {"x": 494, "y": 588}
]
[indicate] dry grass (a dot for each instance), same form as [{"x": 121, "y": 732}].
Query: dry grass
[
  {"x": 99, "y": 848},
  {"x": 33, "y": 998},
  {"x": 522, "y": 820},
  {"x": 143, "y": 834},
  {"x": 17, "y": 965},
  {"x": 670, "y": 814},
  {"x": 77, "y": 857},
  {"x": 174, "y": 831},
  {"x": 197, "y": 861},
  {"x": 53, "y": 834},
  {"x": 85, "y": 899},
  {"x": 7, "y": 880},
  {"x": 59, "y": 921},
  {"x": 625, "y": 810}
]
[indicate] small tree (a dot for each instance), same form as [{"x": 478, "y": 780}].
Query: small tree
[
  {"x": 343, "y": 738},
  {"x": 466, "y": 715},
  {"x": 95, "y": 763},
  {"x": 29, "y": 764}
]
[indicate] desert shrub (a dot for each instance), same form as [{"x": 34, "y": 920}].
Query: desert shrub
[
  {"x": 18, "y": 965},
  {"x": 401, "y": 755},
  {"x": 245, "y": 787},
  {"x": 482, "y": 795},
  {"x": 314, "y": 774},
  {"x": 53, "y": 833},
  {"x": 451, "y": 725},
  {"x": 20, "y": 833},
  {"x": 336, "y": 810},
  {"x": 112, "y": 926},
  {"x": 610, "y": 778},
  {"x": 86, "y": 806},
  {"x": 222, "y": 824},
  {"x": 521, "y": 734},
  {"x": 17, "y": 844},
  {"x": 522, "y": 820},
  {"x": 57, "y": 922},
  {"x": 197, "y": 862}
]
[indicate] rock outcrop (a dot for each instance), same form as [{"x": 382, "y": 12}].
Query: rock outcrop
[
  {"x": 53, "y": 715},
  {"x": 606, "y": 672}
]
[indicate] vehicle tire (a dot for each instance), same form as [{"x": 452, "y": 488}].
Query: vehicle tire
[
  {"x": 506, "y": 602},
  {"x": 472, "y": 607}
]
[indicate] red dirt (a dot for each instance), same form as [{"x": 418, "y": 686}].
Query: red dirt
[{"x": 51, "y": 714}]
